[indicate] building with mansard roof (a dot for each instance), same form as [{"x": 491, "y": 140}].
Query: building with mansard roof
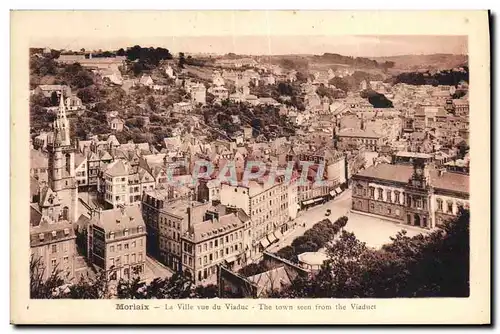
[{"x": 421, "y": 195}]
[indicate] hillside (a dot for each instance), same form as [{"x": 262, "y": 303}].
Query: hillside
[{"x": 425, "y": 62}]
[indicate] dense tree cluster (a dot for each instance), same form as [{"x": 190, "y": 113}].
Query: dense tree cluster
[
  {"x": 447, "y": 77},
  {"x": 265, "y": 119},
  {"x": 313, "y": 239},
  {"x": 144, "y": 59},
  {"x": 378, "y": 100},
  {"x": 353, "y": 61}
]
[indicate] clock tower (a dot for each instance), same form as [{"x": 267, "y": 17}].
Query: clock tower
[{"x": 418, "y": 196}]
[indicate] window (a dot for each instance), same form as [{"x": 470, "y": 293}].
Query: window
[
  {"x": 53, "y": 262},
  {"x": 125, "y": 232},
  {"x": 211, "y": 244},
  {"x": 119, "y": 247},
  {"x": 396, "y": 197},
  {"x": 221, "y": 253},
  {"x": 125, "y": 259},
  {"x": 66, "y": 260},
  {"x": 440, "y": 204},
  {"x": 205, "y": 259},
  {"x": 54, "y": 249},
  {"x": 210, "y": 257},
  {"x": 133, "y": 258},
  {"x": 140, "y": 257},
  {"x": 205, "y": 246},
  {"x": 419, "y": 203},
  {"x": 199, "y": 248},
  {"x": 118, "y": 260},
  {"x": 389, "y": 211},
  {"x": 227, "y": 238},
  {"x": 380, "y": 194},
  {"x": 450, "y": 207},
  {"x": 140, "y": 242},
  {"x": 112, "y": 261},
  {"x": 216, "y": 243},
  {"x": 372, "y": 206},
  {"x": 200, "y": 261},
  {"x": 227, "y": 250},
  {"x": 111, "y": 249},
  {"x": 133, "y": 244},
  {"x": 389, "y": 196}
]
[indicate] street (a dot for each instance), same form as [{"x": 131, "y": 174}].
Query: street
[{"x": 375, "y": 232}]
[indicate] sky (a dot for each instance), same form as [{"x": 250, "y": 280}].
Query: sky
[{"x": 350, "y": 45}]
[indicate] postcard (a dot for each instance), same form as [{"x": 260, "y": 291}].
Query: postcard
[{"x": 250, "y": 167}]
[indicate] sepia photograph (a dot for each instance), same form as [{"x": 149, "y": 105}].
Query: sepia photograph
[{"x": 237, "y": 167}]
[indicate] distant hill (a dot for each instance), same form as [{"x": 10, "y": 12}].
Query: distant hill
[{"x": 438, "y": 61}]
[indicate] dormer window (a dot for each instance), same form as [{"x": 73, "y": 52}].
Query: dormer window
[
  {"x": 66, "y": 231},
  {"x": 125, "y": 232},
  {"x": 139, "y": 229},
  {"x": 41, "y": 236},
  {"x": 54, "y": 234},
  {"x": 112, "y": 235}
]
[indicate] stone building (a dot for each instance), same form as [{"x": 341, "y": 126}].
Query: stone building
[{"x": 419, "y": 195}]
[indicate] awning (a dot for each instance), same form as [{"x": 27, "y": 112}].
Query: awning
[
  {"x": 264, "y": 242},
  {"x": 332, "y": 193},
  {"x": 231, "y": 259},
  {"x": 338, "y": 190},
  {"x": 310, "y": 201},
  {"x": 271, "y": 237},
  {"x": 278, "y": 234}
]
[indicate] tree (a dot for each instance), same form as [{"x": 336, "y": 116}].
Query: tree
[
  {"x": 40, "y": 288},
  {"x": 82, "y": 79},
  {"x": 54, "y": 99},
  {"x": 340, "y": 83},
  {"x": 89, "y": 94},
  {"x": 182, "y": 59}
]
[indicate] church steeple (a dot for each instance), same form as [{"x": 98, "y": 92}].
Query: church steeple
[{"x": 61, "y": 125}]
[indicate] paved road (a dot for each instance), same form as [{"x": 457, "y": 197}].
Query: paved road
[{"x": 339, "y": 207}]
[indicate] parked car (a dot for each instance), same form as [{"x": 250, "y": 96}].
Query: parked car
[{"x": 328, "y": 212}]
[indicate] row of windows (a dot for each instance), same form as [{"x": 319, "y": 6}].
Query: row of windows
[
  {"x": 170, "y": 223},
  {"x": 380, "y": 194},
  {"x": 54, "y": 248},
  {"x": 217, "y": 254},
  {"x": 380, "y": 209},
  {"x": 170, "y": 246},
  {"x": 125, "y": 246},
  {"x": 209, "y": 245},
  {"x": 449, "y": 205},
  {"x": 267, "y": 194},
  {"x": 54, "y": 263},
  {"x": 116, "y": 261}
]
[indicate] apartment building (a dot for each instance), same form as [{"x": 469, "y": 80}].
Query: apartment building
[
  {"x": 52, "y": 238},
  {"x": 222, "y": 237},
  {"x": 270, "y": 206},
  {"x": 168, "y": 220},
  {"x": 122, "y": 184},
  {"x": 117, "y": 241}
]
